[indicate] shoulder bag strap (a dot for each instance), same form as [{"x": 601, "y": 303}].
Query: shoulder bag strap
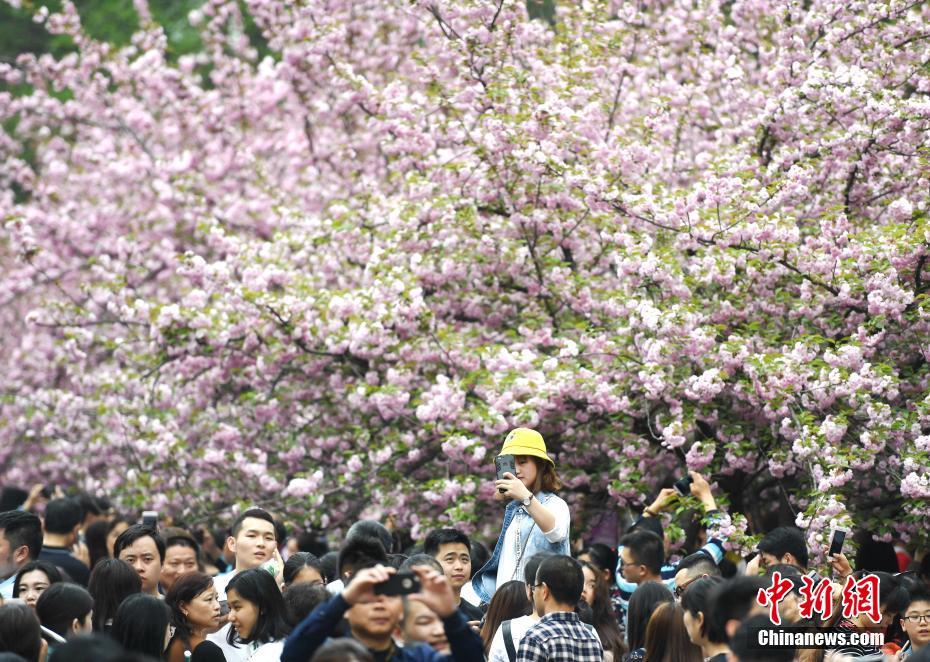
[{"x": 508, "y": 641}]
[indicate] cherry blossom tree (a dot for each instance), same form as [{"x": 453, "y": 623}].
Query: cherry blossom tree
[{"x": 667, "y": 234}]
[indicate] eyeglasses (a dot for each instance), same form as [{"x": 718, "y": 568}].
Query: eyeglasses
[
  {"x": 680, "y": 589},
  {"x": 917, "y": 618}
]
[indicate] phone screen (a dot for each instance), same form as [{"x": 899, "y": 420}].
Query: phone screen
[{"x": 836, "y": 544}]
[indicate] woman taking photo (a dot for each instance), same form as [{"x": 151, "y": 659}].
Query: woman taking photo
[
  {"x": 195, "y": 613},
  {"x": 257, "y": 614},
  {"x": 535, "y": 520}
]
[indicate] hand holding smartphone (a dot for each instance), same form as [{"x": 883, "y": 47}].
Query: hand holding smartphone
[
  {"x": 401, "y": 583},
  {"x": 505, "y": 464},
  {"x": 837, "y": 540}
]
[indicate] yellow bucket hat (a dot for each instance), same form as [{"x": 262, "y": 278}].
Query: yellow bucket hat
[{"x": 524, "y": 441}]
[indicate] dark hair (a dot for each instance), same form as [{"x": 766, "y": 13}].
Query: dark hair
[
  {"x": 440, "y": 537},
  {"x": 921, "y": 594},
  {"x": 602, "y": 614},
  {"x": 115, "y": 522},
  {"x": 88, "y": 503},
  {"x": 696, "y": 600},
  {"x": 257, "y": 513},
  {"x": 137, "y": 532},
  {"x": 185, "y": 589},
  {"x": 396, "y": 560},
  {"x": 732, "y": 600},
  {"x": 509, "y": 601},
  {"x": 344, "y": 649},
  {"x": 369, "y": 528},
  {"x": 310, "y": 541},
  {"x": 62, "y": 515},
  {"x": 20, "y": 632},
  {"x": 531, "y": 567},
  {"x": 259, "y": 588},
  {"x": 643, "y": 602},
  {"x": 699, "y": 563},
  {"x": 301, "y": 599},
  {"x": 280, "y": 531},
  {"x": 563, "y": 577},
  {"x": 744, "y": 643},
  {"x": 42, "y": 566},
  {"x": 480, "y": 554},
  {"x": 785, "y": 540},
  {"x": 330, "y": 564},
  {"x": 652, "y": 524},
  {"x": 183, "y": 540},
  {"x": 421, "y": 560},
  {"x": 646, "y": 548},
  {"x": 98, "y": 648},
  {"x": 667, "y": 638},
  {"x": 360, "y": 550},
  {"x": 63, "y": 602},
  {"x": 95, "y": 536},
  {"x": 140, "y": 625},
  {"x": 892, "y": 595},
  {"x": 111, "y": 582},
  {"x": 297, "y": 562},
  {"x": 547, "y": 480},
  {"x": 875, "y": 555},
  {"x": 602, "y": 556},
  {"x": 21, "y": 528}
]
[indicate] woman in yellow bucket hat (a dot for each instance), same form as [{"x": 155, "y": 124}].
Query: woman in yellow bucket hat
[{"x": 536, "y": 518}]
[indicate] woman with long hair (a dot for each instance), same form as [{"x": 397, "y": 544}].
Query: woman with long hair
[
  {"x": 33, "y": 579},
  {"x": 304, "y": 568},
  {"x": 111, "y": 582},
  {"x": 605, "y": 558},
  {"x": 510, "y": 601},
  {"x": 195, "y": 613},
  {"x": 666, "y": 637},
  {"x": 257, "y": 614},
  {"x": 141, "y": 625},
  {"x": 595, "y": 593},
  {"x": 536, "y": 519},
  {"x": 95, "y": 536},
  {"x": 643, "y": 602}
]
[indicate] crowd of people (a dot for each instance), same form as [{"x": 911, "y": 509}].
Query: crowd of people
[{"x": 82, "y": 583}]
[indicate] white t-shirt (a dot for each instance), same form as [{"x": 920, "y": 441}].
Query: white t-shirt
[
  {"x": 230, "y": 652},
  {"x": 220, "y": 582},
  {"x": 469, "y": 595},
  {"x": 508, "y": 568},
  {"x": 270, "y": 652}
]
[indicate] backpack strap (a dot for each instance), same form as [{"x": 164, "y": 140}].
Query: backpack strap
[{"x": 508, "y": 642}]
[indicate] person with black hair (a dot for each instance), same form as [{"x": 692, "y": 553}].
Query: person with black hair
[
  {"x": 20, "y": 632},
  {"x": 330, "y": 564},
  {"x": 695, "y": 600},
  {"x": 603, "y": 619},
  {"x": 691, "y": 568},
  {"x": 559, "y": 636},
  {"x": 357, "y": 551},
  {"x": 111, "y": 582},
  {"x": 143, "y": 548},
  {"x": 915, "y": 621},
  {"x": 301, "y": 598},
  {"x": 114, "y": 528},
  {"x": 343, "y": 649},
  {"x": 95, "y": 537},
  {"x": 786, "y": 544},
  {"x": 303, "y": 568},
  {"x": 257, "y": 615},
  {"x": 649, "y": 521},
  {"x": 892, "y": 599},
  {"x": 604, "y": 558},
  {"x": 33, "y": 579},
  {"x": 511, "y": 601},
  {"x": 20, "y": 543},
  {"x": 733, "y": 601},
  {"x": 141, "y": 625},
  {"x": 65, "y": 609},
  {"x": 744, "y": 643},
  {"x": 98, "y": 648},
  {"x": 195, "y": 613},
  {"x": 63, "y": 519},
  {"x": 182, "y": 556},
  {"x": 369, "y": 528},
  {"x": 644, "y": 601},
  {"x": 507, "y": 636},
  {"x": 452, "y": 549},
  {"x": 373, "y": 617}
]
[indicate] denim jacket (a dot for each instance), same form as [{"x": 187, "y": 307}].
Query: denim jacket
[{"x": 484, "y": 582}]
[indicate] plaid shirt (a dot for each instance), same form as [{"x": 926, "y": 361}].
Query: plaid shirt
[{"x": 560, "y": 637}]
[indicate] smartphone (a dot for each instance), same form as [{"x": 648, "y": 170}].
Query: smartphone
[
  {"x": 150, "y": 518},
  {"x": 401, "y": 583},
  {"x": 505, "y": 464},
  {"x": 839, "y": 537},
  {"x": 683, "y": 485}
]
